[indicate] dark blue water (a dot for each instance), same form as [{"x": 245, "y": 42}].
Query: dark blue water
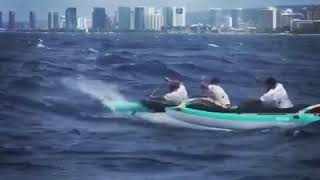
[{"x": 54, "y": 123}]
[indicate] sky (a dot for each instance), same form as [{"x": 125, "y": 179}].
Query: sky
[{"x": 41, "y": 7}]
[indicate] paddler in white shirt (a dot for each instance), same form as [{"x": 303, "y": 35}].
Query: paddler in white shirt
[
  {"x": 178, "y": 92},
  {"x": 216, "y": 93},
  {"x": 276, "y": 95}
]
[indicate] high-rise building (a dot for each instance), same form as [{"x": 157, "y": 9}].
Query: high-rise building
[
  {"x": 274, "y": 17},
  {"x": 71, "y": 19},
  {"x": 167, "y": 13},
  {"x": 157, "y": 20},
  {"x": 124, "y": 18},
  {"x": 226, "y": 23},
  {"x": 153, "y": 19},
  {"x": 50, "y": 20},
  {"x": 235, "y": 15},
  {"x": 264, "y": 20},
  {"x": 62, "y": 22},
  {"x": 99, "y": 19},
  {"x": 56, "y": 21},
  {"x": 1, "y": 25},
  {"x": 287, "y": 17},
  {"x": 12, "y": 20},
  {"x": 32, "y": 20},
  {"x": 215, "y": 16},
  {"x": 53, "y": 21},
  {"x": 148, "y": 11},
  {"x": 179, "y": 17},
  {"x": 132, "y": 20},
  {"x": 312, "y": 12},
  {"x": 115, "y": 22},
  {"x": 139, "y": 19},
  {"x": 83, "y": 24}
]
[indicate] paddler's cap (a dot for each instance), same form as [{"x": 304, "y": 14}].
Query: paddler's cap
[
  {"x": 215, "y": 81},
  {"x": 270, "y": 81},
  {"x": 174, "y": 86}
]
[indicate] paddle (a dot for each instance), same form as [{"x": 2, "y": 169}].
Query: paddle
[
  {"x": 203, "y": 80},
  {"x": 152, "y": 95}
]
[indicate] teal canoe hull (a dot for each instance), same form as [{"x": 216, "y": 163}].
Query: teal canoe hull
[
  {"x": 242, "y": 121},
  {"x": 226, "y": 120}
]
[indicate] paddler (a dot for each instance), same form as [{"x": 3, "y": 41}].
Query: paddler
[
  {"x": 177, "y": 92},
  {"x": 276, "y": 95},
  {"x": 216, "y": 93}
]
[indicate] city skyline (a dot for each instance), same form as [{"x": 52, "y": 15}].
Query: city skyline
[{"x": 42, "y": 7}]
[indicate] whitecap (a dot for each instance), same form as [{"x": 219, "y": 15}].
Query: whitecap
[
  {"x": 213, "y": 45},
  {"x": 92, "y": 50},
  {"x": 40, "y": 45}
]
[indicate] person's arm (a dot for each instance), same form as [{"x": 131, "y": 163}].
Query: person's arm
[
  {"x": 267, "y": 97},
  {"x": 204, "y": 85},
  {"x": 170, "y": 96},
  {"x": 172, "y": 81}
]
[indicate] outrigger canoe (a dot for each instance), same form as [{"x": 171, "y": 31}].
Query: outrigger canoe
[{"x": 229, "y": 119}]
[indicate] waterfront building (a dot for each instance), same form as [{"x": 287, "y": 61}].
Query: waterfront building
[
  {"x": 286, "y": 17},
  {"x": 312, "y": 12},
  {"x": 139, "y": 24},
  {"x": 71, "y": 19},
  {"x": 132, "y": 20},
  {"x": 153, "y": 19},
  {"x": 305, "y": 26},
  {"x": 235, "y": 15},
  {"x": 167, "y": 13},
  {"x": 12, "y": 20},
  {"x": 1, "y": 22},
  {"x": 263, "y": 20},
  {"x": 124, "y": 18},
  {"x": 56, "y": 21},
  {"x": 179, "y": 17},
  {"x": 215, "y": 16},
  {"x": 50, "y": 20},
  {"x": 99, "y": 19},
  {"x": 32, "y": 20}
]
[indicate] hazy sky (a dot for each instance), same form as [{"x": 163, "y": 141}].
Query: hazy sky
[{"x": 41, "y": 7}]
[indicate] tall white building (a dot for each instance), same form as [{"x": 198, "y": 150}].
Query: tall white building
[
  {"x": 84, "y": 23},
  {"x": 226, "y": 22},
  {"x": 132, "y": 20},
  {"x": 274, "y": 17},
  {"x": 179, "y": 17},
  {"x": 153, "y": 19},
  {"x": 148, "y": 12},
  {"x": 62, "y": 21}
]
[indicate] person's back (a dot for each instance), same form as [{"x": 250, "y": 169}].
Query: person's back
[
  {"x": 276, "y": 95},
  {"x": 217, "y": 94},
  {"x": 178, "y": 94}
]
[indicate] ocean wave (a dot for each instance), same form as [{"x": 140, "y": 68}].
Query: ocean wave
[
  {"x": 213, "y": 45},
  {"x": 110, "y": 59},
  {"x": 151, "y": 68}
]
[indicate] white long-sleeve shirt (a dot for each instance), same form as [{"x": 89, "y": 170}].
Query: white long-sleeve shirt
[
  {"x": 178, "y": 96},
  {"x": 218, "y": 95},
  {"x": 277, "y": 97}
]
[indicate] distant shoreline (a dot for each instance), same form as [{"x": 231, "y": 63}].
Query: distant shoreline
[{"x": 169, "y": 33}]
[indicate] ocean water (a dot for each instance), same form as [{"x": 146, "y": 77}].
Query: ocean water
[{"x": 55, "y": 90}]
